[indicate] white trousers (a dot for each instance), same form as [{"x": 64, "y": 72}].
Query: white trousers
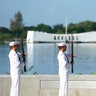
[
  {"x": 15, "y": 86},
  {"x": 63, "y": 89}
]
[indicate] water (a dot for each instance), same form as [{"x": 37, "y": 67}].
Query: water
[
  {"x": 4, "y": 61},
  {"x": 43, "y": 58}
]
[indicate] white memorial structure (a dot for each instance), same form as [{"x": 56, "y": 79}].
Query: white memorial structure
[{"x": 43, "y": 37}]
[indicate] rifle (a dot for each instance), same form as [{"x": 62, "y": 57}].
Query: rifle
[
  {"x": 23, "y": 53},
  {"x": 72, "y": 58}
]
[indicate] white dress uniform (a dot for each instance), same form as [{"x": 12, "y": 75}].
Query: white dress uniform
[
  {"x": 14, "y": 72},
  {"x": 63, "y": 73}
]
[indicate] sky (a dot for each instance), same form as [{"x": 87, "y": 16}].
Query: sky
[{"x": 49, "y": 12}]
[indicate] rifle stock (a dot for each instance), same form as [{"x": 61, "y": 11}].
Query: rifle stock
[{"x": 72, "y": 68}]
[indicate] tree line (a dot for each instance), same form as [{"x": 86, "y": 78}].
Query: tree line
[{"x": 18, "y": 29}]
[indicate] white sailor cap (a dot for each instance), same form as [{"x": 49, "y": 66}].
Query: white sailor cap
[
  {"x": 61, "y": 44},
  {"x": 13, "y": 43}
]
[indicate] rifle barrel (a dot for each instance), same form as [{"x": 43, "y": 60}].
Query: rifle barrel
[
  {"x": 23, "y": 53},
  {"x": 72, "y": 59}
]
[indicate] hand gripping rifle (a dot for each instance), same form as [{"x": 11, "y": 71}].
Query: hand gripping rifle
[
  {"x": 72, "y": 58},
  {"x": 23, "y": 53}
]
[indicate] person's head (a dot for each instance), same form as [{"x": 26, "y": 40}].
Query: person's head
[
  {"x": 14, "y": 45},
  {"x": 62, "y": 46}
]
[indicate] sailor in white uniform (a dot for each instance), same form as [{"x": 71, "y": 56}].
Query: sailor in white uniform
[
  {"x": 15, "y": 63},
  {"x": 63, "y": 60}
]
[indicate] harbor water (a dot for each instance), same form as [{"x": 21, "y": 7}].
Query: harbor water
[{"x": 43, "y": 58}]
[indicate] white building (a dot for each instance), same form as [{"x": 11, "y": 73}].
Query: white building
[{"x": 36, "y": 36}]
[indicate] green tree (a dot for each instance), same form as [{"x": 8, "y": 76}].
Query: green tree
[
  {"x": 44, "y": 28},
  {"x": 59, "y": 29},
  {"x": 4, "y": 30},
  {"x": 16, "y": 25},
  {"x": 5, "y": 34}
]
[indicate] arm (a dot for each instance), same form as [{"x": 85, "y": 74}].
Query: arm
[{"x": 63, "y": 61}]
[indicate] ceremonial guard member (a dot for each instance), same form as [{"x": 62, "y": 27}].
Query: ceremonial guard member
[
  {"x": 63, "y": 60},
  {"x": 15, "y": 63}
]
